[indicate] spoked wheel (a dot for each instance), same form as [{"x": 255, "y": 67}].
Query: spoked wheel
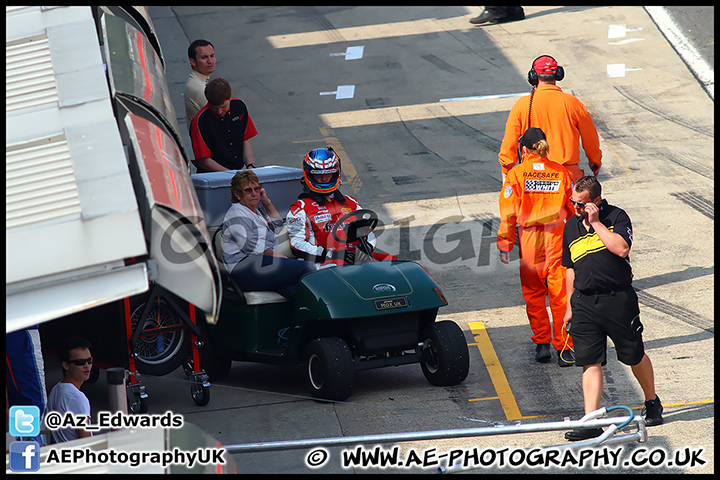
[
  {"x": 446, "y": 360},
  {"x": 330, "y": 368},
  {"x": 164, "y": 343}
]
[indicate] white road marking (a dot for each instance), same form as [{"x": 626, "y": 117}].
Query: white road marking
[
  {"x": 484, "y": 97},
  {"x": 354, "y": 53},
  {"x": 689, "y": 54},
  {"x": 620, "y": 31},
  {"x": 351, "y": 53},
  {"x": 342, "y": 92},
  {"x": 626, "y": 41},
  {"x": 618, "y": 70},
  {"x": 615, "y": 70},
  {"x": 616, "y": 31}
]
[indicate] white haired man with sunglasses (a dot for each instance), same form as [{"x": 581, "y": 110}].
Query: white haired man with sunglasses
[{"x": 66, "y": 396}]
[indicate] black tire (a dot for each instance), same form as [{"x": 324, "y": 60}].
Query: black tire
[
  {"x": 446, "y": 360},
  {"x": 329, "y": 368},
  {"x": 200, "y": 394},
  {"x": 137, "y": 404},
  {"x": 159, "y": 353}
]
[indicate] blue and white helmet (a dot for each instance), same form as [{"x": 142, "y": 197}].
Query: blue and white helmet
[{"x": 318, "y": 162}]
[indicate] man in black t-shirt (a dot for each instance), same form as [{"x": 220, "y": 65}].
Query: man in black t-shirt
[{"x": 601, "y": 300}]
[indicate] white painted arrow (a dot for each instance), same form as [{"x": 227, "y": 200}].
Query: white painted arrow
[
  {"x": 626, "y": 41},
  {"x": 620, "y": 31},
  {"x": 351, "y": 53},
  {"x": 618, "y": 70},
  {"x": 342, "y": 92}
]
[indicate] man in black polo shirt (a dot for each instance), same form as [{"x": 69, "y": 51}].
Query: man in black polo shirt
[
  {"x": 221, "y": 130},
  {"x": 601, "y": 300}
]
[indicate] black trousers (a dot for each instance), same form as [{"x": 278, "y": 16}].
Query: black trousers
[{"x": 267, "y": 273}]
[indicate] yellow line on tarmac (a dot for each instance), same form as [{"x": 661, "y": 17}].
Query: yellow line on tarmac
[
  {"x": 348, "y": 169},
  {"x": 580, "y": 413},
  {"x": 497, "y": 375},
  {"x": 680, "y": 404},
  {"x": 500, "y": 382}
]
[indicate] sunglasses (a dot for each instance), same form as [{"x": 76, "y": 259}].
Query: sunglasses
[
  {"x": 81, "y": 361},
  {"x": 249, "y": 190},
  {"x": 579, "y": 204}
]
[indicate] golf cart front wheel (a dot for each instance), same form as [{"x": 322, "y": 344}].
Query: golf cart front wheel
[
  {"x": 330, "y": 368},
  {"x": 446, "y": 360}
]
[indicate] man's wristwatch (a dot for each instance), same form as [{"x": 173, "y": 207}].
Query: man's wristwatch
[{"x": 250, "y": 165}]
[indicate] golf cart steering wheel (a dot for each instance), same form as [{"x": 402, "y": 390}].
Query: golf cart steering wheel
[{"x": 357, "y": 224}]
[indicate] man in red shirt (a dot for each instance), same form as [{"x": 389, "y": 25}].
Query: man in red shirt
[
  {"x": 221, "y": 130},
  {"x": 562, "y": 117}
]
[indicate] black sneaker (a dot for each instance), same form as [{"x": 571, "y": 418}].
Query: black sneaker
[
  {"x": 566, "y": 358},
  {"x": 583, "y": 434},
  {"x": 542, "y": 352},
  {"x": 653, "y": 412}
]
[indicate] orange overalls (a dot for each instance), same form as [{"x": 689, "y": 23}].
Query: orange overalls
[
  {"x": 535, "y": 197},
  {"x": 563, "y": 118}
]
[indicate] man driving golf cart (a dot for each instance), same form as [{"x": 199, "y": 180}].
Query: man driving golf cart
[{"x": 312, "y": 217}]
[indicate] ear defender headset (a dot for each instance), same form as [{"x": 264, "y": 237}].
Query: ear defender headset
[
  {"x": 533, "y": 80},
  {"x": 533, "y": 75}
]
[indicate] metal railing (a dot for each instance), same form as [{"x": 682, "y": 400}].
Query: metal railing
[{"x": 590, "y": 420}]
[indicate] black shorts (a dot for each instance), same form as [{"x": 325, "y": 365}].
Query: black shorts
[{"x": 598, "y": 316}]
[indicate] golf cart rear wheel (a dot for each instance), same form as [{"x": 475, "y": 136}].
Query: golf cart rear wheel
[
  {"x": 446, "y": 360},
  {"x": 329, "y": 368}
]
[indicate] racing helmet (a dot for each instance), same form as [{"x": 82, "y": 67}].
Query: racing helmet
[{"x": 318, "y": 162}]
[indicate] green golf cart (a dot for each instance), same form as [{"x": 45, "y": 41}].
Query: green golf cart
[{"x": 346, "y": 318}]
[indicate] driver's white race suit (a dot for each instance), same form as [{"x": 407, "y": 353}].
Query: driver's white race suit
[{"x": 310, "y": 224}]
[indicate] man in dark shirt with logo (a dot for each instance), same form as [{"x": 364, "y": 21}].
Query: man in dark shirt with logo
[
  {"x": 601, "y": 300},
  {"x": 221, "y": 130}
]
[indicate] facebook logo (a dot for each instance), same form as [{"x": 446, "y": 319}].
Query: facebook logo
[
  {"x": 24, "y": 456},
  {"x": 24, "y": 421}
]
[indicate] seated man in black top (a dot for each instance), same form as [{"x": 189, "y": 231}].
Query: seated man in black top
[{"x": 221, "y": 131}]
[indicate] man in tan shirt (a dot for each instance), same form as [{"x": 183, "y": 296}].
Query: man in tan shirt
[{"x": 201, "y": 54}]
